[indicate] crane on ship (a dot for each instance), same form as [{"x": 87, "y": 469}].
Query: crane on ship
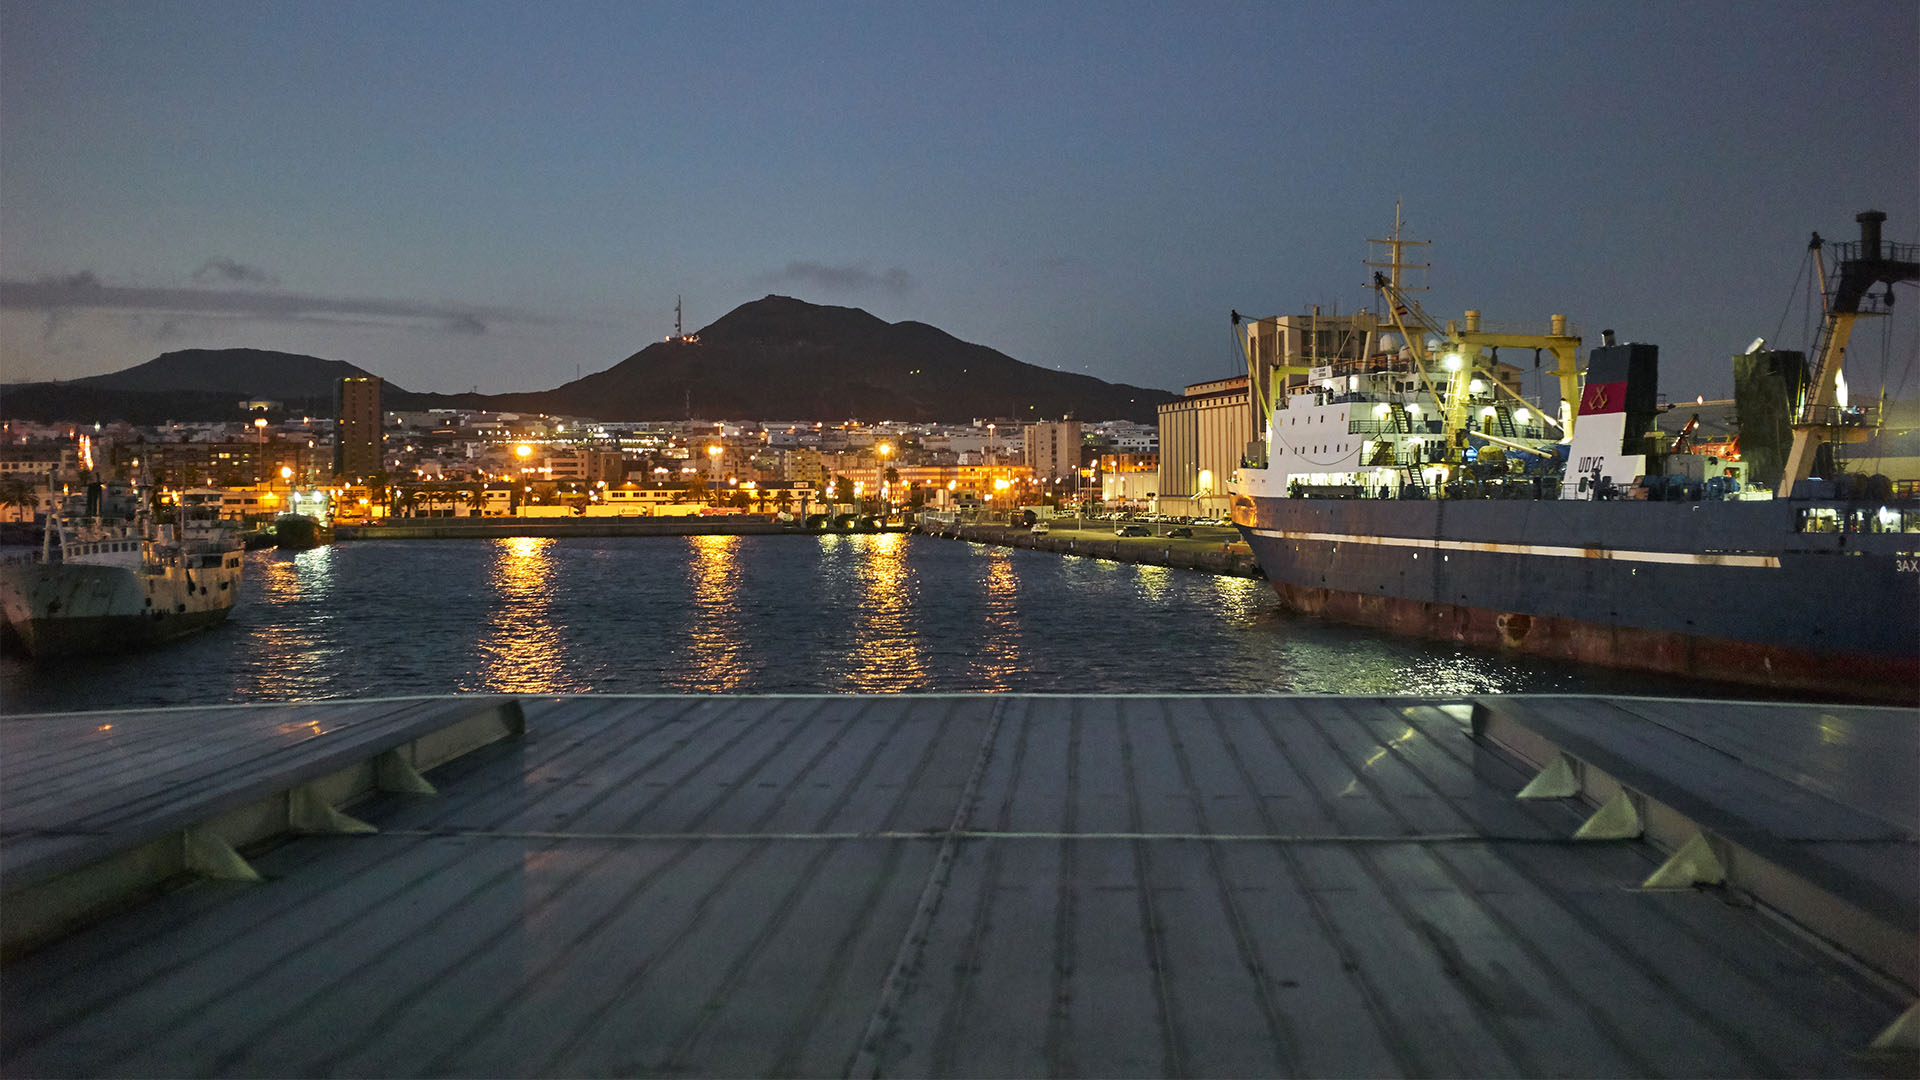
[
  {"x": 1460, "y": 352},
  {"x": 1847, "y": 297}
]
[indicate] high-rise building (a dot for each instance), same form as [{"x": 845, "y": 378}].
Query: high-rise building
[
  {"x": 357, "y": 446},
  {"x": 1053, "y": 451}
]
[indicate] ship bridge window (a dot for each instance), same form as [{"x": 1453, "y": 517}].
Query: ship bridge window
[
  {"x": 1822, "y": 519},
  {"x": 1890, "y": 520}
]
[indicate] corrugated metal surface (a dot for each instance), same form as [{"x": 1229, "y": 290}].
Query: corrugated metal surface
[{"x": 978, "y": 886}]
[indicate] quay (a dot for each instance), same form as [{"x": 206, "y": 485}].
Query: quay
[
  {"x": 1210, "y": 550},
  {"x": 962, "y": 885}
]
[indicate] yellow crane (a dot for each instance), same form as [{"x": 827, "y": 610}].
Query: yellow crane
[{"x": 1862, "y": 266}]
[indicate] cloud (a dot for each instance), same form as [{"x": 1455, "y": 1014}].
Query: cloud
[
  {"x": 227, "y": 271},
  {"x": 856, "y": 278},
  {"x": 55, "y": 296}
]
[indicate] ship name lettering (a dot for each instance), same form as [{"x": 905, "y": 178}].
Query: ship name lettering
[{"x": 1907, "y": 566}]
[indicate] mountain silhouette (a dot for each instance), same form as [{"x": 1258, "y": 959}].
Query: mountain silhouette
[
  {"x": 782, "y": 358},
  {"x": 774, "y": 358}
]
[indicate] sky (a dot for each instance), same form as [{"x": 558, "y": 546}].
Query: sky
[{"x": 503, "y": 196}]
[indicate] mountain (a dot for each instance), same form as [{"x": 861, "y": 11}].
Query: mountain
[
  {"x": 775, "y": 358},
  {"x": 251, "y": 373},
  {"x": 191, "y": 384},
  {"x": 784, "y": 358}
]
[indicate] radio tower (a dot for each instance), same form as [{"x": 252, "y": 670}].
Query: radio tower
[{"x": 679, "y": 333}]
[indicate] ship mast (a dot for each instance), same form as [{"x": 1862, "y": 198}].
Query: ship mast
[{"x": 1396, "y": 243}]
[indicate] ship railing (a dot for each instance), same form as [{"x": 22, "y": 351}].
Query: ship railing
[
  {"x": 1844, "y": 250},
  {"x": 1838, "y": 416}
]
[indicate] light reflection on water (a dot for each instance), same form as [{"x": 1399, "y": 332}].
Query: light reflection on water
[
  {"x": 713, "y": 654},
  {"x": 521, "y": 650},
  {"x": 832, "y": 613},
  {"x": 886, "y": 655},
  {"x": 999, "y": 632},
  {"x": 290, "y": 661}
]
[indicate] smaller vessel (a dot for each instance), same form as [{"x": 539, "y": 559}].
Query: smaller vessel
[
  {"x": 102, "y": 585},
  {"x": 298, "y": 532}
]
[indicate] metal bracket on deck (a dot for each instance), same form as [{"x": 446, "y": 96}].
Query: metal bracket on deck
[
  {"x": 212, "y": 857},
  {"x": 393, "y": 772},
  {"x": 1903, "y": 1033},
  {"x": 1694, "y": 863},
  {"x": 1617, "y": 820},
  {"x": 309, "y": 812},
  {"x": 1556, "y": 781}
]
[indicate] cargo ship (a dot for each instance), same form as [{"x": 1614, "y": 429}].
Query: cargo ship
[
  {"x": 1400, "y": 480},
  {"x": 102, "y": 585}
]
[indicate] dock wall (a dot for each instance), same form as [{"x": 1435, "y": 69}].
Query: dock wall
[{"x": 1206, "y": 556}]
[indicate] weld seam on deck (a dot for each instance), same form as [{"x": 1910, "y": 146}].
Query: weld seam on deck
[
  {"x": 988, "y": 834},
  {"x": 906, "y": 960}
]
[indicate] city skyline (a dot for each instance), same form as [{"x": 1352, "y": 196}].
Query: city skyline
[{"x": 507, "y": 196}]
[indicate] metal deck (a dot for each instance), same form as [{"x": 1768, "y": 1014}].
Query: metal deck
[{"x": 1014, "y": 886}]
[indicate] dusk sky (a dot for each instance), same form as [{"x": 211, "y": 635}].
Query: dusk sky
[{"x": 502, "y": 195}]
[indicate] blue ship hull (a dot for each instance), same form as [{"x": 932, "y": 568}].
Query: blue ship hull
[{"x": 1752, "y": 592}]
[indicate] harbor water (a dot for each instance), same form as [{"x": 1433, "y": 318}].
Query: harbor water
[{"x": 834, "y": 614}]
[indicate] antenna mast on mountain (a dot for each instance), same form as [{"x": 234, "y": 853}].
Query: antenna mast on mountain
[{"x": 679, "y": 333}]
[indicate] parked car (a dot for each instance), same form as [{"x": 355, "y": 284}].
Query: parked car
[
  {"x": 1179, "y": 530},
  {"x": 1131, "y": 530},
  {"x": 1039, "y": 528}
]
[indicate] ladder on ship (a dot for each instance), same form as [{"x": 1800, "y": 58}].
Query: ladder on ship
[
  {"x": 1411, "y": 481},
  {"x": 1502, "y": 422},
  {"x": 1398, "y": 417}
]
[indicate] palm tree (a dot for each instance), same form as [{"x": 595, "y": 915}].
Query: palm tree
[
  {"x": 379, "y": 489},
  {"x": 15, "y": 492},
  {"x": 476, "y": 500}
]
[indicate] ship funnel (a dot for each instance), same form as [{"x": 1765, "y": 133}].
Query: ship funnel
[
  {"x": 1870, "y": 233},
  {"x": 1606, "y": 337},
  {"x": 1557, "y": 325},
  {"x": 1473, "y": 321}
]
